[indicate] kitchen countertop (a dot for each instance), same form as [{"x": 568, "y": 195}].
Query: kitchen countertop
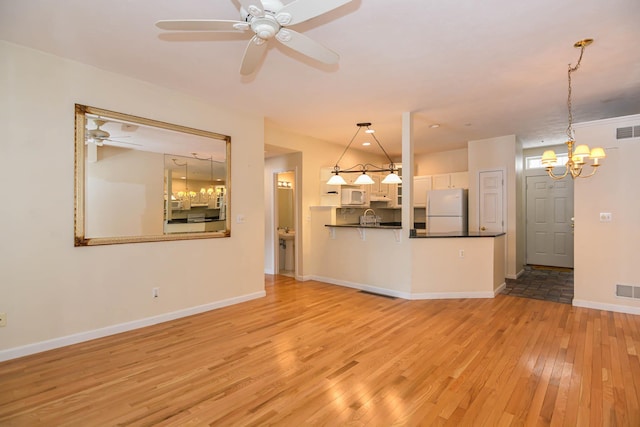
[
  {"x": 424, "y": 235},
  {"x": 383, "y": 226}
]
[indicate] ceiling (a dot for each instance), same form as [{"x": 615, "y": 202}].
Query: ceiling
[{"x": 479, "y": 69}]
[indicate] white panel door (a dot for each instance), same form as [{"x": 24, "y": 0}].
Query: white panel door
[
  {"x": 549, "y": 221},
  {"x": 491, "y": 201}
]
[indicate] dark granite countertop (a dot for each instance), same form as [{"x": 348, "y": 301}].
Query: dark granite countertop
[
  {"x": 424, "y": 235},
  {"x": 382, "y": 225}
]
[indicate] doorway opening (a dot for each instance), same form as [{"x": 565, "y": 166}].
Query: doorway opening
[{"x": 285, "y": 223}]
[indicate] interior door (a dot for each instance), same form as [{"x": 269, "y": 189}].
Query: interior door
[
  {"x": 491, "y": 199},
  {"x": 549, "y": 221}
]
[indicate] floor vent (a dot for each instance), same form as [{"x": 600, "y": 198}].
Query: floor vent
[
  {"x": 378, "y": 295},
  {"x": 628, "y": 291},
  {"x": 628, "y": 132}
]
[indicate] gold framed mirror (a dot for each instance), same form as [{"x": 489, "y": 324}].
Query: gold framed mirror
[{"x": 142, "y": 180}]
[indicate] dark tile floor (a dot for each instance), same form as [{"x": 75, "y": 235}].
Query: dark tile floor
[{"x": 545, "y": 283}]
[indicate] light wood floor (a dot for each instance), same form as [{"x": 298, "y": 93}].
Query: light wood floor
[{"x": 312, "y": 353}]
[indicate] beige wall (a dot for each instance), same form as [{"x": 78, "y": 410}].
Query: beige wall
[
  {"x": 608, "y": 253},
  {"x": 135, "y": 179},
  {"x": 54, "y": 293},
  {"x": 443, "y": 162},
  {"x": 501, "y": 153}
]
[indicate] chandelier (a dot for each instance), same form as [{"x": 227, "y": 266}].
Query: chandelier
[
  {"x": 364, "y": 168},
  {"x": 576, "y": 156}
]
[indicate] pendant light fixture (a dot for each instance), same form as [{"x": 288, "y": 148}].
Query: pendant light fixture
[
  {"x": 364, "y": 168},
  {"x": 576, "y": 157}
]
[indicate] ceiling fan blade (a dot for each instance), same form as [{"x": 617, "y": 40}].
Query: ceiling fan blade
[
  {"x": 302, "y": 10},
  {"x": 254, "y": 7},
  {"x": 202, "y": 25},
  {"x": 253, "y": 55},
  {"x": 307, "y": 46}
]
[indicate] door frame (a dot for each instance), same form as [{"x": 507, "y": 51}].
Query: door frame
[{"x": 296, "y": 222}]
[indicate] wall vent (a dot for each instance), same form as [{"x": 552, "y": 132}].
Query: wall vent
[
  {"x": 628, "y": 291},
  {"x": 628, "y": 132}
]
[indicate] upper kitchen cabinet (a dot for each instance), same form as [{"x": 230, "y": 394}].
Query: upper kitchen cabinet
[
  {"x": 421, "y": 184},
  {"x": 450, "y": 180}
]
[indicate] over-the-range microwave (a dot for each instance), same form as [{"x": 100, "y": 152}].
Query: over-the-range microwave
[{"x": 353, "y": 197}]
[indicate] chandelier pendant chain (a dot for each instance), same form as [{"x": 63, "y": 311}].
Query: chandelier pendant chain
[
  {"x": 569, "y": 105},
  {"x": 576, "y": 156}
]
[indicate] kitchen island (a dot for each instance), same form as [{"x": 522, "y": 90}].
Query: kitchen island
[{"x": 386, "y": 259}]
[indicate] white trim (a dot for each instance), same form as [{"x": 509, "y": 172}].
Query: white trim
[
  {"x": 517, "y": 275},
  {"x": 406, "y": 295},
  {"x": 25, "y": 350},
  {"x": 360, "y": 286},
  {"x": 452, "y": 295},
  {"x": 618, "y": 121},
  {"x": 499, "y": 289},
  {"x": 607, "y": 307}
]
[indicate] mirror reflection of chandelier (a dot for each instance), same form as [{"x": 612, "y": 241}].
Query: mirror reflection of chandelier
[
  {"x": 576, "y": 156},
  {"x": 363, "y": 168}
]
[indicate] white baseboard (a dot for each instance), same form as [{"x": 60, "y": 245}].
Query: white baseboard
[
  {"x": 516, "y": 276},
  {"x": 606, "y": 307},
  {"x": 404, "y": 295},
  {"x": 499, "y": 289},
  {"x": 451, "y": 295},
  {"x": 13, "y": 353},
  {"x": 363, "y": 287}
]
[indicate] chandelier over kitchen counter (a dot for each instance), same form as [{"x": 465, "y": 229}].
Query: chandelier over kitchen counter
[{"x": 365, "y": 168}]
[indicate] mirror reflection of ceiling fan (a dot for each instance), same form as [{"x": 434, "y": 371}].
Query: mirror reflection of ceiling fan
[
  {"x": 267, "y": 19},
  {"x": 99, "y": 136}
]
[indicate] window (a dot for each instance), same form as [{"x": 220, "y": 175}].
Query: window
[{"x": 535, "y": 162}]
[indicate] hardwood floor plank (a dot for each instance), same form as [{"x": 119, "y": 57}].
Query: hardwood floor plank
[{"x": 316, "y": 354}]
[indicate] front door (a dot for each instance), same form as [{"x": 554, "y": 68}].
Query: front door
[{"x": 549, "y": 221}]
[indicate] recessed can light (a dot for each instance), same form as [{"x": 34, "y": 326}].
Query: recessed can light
[
  {"x": 434, "y": 126},
  {"x": 366, "y": 144}
]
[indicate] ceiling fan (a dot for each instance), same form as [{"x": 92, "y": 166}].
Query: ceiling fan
[
  {"x": 268, "y": 19},
  {"x": 99, "y": 136}
]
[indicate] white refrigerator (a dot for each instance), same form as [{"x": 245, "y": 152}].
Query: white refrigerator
[{"x": 447, "y": 211}]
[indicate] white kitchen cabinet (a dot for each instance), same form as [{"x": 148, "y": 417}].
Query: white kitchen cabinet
[
  {"x": 450, "y": 180},
  {"x": 378, "y": 191},
  {"x": 459, "y": 180},
  {"x": 421, "y": 184},
  {"x": 441, "y": 182},
  {"x": 395, "y": 190}
]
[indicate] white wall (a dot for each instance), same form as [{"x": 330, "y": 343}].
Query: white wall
[
  {"x": 54, "y": 293},
  {"x": 442, "y": 162},
  {"x": 607, "y": 253},
  {"x": 501, "y": 153}
]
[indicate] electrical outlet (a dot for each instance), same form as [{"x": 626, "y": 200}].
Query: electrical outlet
[
  {"x": 605, "y": 216},
  {"x": 461, "y": 253},
  {"x": 155, "y": 292},
  {"x": 3, "y": 319}
]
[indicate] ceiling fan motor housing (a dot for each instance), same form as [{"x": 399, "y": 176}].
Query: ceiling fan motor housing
[{"x": 265, "y": 27}]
